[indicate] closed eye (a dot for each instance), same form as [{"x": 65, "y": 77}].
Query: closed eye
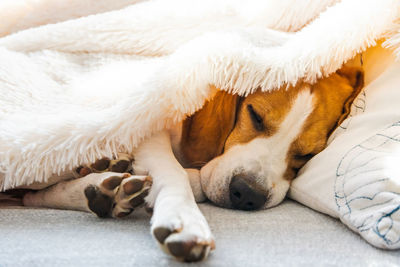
[
  {"x": 306, "y": 157},
  {"x": 256, "y": 119}
]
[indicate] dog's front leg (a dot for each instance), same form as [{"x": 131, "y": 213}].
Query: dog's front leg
[
  {"x": 177, "y": 223},
  {"x": 107, "y": 194}
]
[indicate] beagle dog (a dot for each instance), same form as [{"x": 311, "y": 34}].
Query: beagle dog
[{"x": 239, "y": 152}]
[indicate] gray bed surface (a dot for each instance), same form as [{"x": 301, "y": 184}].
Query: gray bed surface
[{"x": 287, "y": 235}]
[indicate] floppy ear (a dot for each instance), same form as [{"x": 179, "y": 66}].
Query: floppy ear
[
  {"x": 334, "y": 96},
  {"x": 355, "y": 76},
  {"x": 205, "y": 132}
]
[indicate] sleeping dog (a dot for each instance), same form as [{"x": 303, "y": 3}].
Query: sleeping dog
[{"x": 242, "y": 153}]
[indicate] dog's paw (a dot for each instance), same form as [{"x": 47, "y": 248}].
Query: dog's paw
[
  {"x": 131, "y": 194},
  {"x": 183, "y": 233},
  {"x": 116, "y": 195},
  {"x": 122, "y": 164}
]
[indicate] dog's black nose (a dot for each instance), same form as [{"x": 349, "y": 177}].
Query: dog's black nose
[{"x": 244, "y": 195}]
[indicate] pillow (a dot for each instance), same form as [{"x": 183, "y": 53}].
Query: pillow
[{"x": 357, "y": 177}]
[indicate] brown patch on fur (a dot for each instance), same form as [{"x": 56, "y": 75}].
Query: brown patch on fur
[
  {"x": 204, "y": 133},
  {"x": 213, "y": 129},
  {"x": 271, "y": 108},
  {"x": 356, "y": 79},
  {"x": 333, "y": 97}
]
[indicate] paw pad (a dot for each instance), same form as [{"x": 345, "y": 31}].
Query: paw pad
[
  {"x": 117, "y": 195},
  {"x": 123, "y": 163},
  {"x": 98, "y": 202},
  {"x": 182, "y": 246}
]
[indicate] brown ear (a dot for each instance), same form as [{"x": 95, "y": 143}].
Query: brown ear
[
  {"x": 205, "y": 132},
  {"x": 355, "y": 76},
  {"x": 334, "y": 96}
]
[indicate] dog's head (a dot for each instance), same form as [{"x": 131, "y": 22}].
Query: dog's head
[{"x": 255, "y": 146}]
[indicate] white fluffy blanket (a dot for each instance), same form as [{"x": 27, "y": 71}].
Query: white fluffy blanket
[{"x": 75, "y": 87}]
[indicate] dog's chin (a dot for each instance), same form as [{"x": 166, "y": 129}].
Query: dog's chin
[
  {"x": 214, "y": 185},
  {"x": 278, "y": 194}
]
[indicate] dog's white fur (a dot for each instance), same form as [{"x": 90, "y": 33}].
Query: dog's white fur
[
  {"x": 172, "y": 195},
  {"x": 243, "y": 56},
  {"x": 230, "y": 44},
  {"x": 266, "y": 158}
]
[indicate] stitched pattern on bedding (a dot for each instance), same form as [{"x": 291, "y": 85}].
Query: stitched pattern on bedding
[{"x": 367, "y": 188}]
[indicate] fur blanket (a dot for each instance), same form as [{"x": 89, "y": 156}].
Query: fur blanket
[{"x": 81, "y": 80}]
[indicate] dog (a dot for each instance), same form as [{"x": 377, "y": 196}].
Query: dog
[{"x": 239, "y": 152}]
